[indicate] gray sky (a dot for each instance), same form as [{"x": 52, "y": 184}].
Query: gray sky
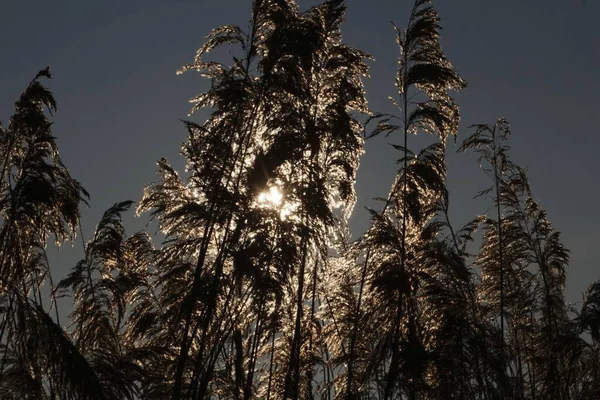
[{"x": 534, "y": 62}]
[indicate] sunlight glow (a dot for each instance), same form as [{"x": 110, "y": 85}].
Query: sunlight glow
[
  {"x": 273, "y": 196},
  {"x": 273, "y": 199}
]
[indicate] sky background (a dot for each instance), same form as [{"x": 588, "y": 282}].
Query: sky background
[{"x": 535, "y": 62}]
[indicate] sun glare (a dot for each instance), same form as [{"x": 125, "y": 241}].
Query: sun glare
[{"x": 273, "y": 197}]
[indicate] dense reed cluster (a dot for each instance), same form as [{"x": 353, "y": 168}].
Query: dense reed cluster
[{"x": 254, "y": 290}]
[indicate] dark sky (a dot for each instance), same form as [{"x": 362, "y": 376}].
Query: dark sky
[{"x": 535, "y": 62}]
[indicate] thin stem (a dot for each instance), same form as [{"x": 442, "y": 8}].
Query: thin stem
[{"x": 500, "y": 251}]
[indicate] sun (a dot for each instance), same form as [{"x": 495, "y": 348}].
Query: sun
[{"x": 273, "y": 197}]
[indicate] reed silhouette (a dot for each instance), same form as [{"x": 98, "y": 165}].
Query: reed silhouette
[{"x": 254, "y": 289}]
